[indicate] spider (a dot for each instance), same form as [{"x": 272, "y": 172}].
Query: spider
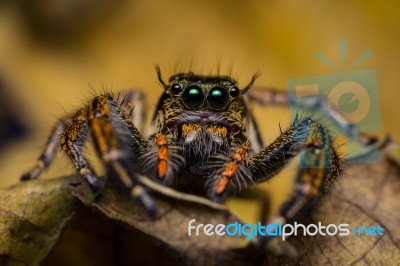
[{"x": 203, "y": 139}]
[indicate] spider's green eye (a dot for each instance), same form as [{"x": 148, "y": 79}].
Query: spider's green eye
[
  {"x": 176, "y": 88},
  {"x": 193, "y": 96},
  {"x": 217, "y": 98},
  {"x": 234, "y": 92}
]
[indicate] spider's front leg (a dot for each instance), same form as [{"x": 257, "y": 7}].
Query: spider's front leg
[{"x": 320, "y": 165}]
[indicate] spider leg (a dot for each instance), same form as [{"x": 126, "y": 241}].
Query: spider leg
[
  {"x": 266, "y": 96},
  {"x": 320, "y": 164},
  {"x": 134, "y": 103},
  {"x": 110, "y": 127},
  {"x": 233, "y": 167},
  {"x": 72, "y": 143},
  {"x": 162, "y": 155},
  {"x": 48, "y": 152}
]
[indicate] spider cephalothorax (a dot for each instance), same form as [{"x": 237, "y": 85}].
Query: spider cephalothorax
[{"x": 204, "y": 117}]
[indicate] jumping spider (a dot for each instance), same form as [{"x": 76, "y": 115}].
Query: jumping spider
[{"x": 202, "y": 136}]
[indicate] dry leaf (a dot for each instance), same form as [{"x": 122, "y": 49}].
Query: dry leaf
[
  {"x": 367, "y": 195},
  {"x": 32, "y": 216}
]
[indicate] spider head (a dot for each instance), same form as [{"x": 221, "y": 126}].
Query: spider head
[
  {"x": 203, "y": 93},
  {"x": 203, "y": 100},
  {"x": 202, "y": 113}
]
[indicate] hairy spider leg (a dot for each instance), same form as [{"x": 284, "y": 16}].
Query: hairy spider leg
[
  {"x": 320, "y": 165},
  {"x": 49, "y": 150},
  {"x": 266, "y": 96},
  {"x": 162, "y": 155},
  {"x": 134, "y": 101},
  {"x": 105, "y": 116},
  {"x": 219, "y": 185},
  {"x": 72, "y": 143}
]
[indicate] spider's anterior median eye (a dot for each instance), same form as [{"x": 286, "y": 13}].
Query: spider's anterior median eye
[
  {"x": 217, "y": 98},
  {"x": 234, "y": 92},
  {"x": 176, "y": 88},
  {"x": 193, "y": 96}
]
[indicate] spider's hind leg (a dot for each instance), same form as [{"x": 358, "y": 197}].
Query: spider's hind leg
[
  {"x": 49, "y": 151},
  {"x": 266, "y": 96},
  {"x": 71, "y": 135}
]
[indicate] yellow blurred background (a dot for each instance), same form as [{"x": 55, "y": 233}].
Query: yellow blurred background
[{"x": 53, "y": 52}]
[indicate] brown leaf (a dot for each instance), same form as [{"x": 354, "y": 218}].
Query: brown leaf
[
  {"x": 170, "y": 228},
  {"x": 32, "y": 216},
  {"x": 369, "y": 195}
]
